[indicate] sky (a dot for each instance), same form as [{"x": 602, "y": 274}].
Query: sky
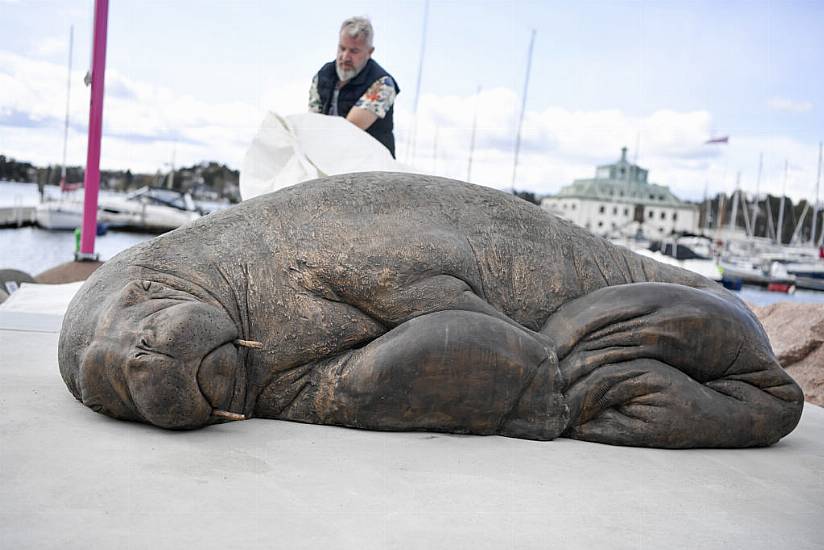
[{"x": 190, "y": 81}]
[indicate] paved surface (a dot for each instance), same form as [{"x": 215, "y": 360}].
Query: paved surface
[{"x": 70, "y": 478}]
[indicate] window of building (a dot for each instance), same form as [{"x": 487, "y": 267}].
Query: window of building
[
  {"x": 674, "y": 216},
  {"x": 650, "y": 214},
  {"x": 663, "y": 215},
  {"x": 614, "y": 210},
  {"x": 600, "y": 209},
  {"x": 626, "y": 211},
  {"x": 600, "y": 224},
  {"x": 573, "y": 206}
]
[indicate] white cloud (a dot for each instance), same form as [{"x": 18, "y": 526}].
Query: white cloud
[
  {"x": 559, "y": 145},
  {"x": 145, "y": 124},
  {"x": 52, "y": 46},
  {"x": 789, "y": 105}
]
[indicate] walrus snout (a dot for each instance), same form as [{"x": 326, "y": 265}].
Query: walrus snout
[
  {"x": 217, "y": 375},
  {"x": 189, "y": 368},
  {"x": 161, "y": 357}
]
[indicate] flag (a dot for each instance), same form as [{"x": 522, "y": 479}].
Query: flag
[{"x": 718, "y": 140}]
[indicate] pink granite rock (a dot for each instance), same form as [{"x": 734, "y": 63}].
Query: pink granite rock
[{"x": 796, "y": 332}]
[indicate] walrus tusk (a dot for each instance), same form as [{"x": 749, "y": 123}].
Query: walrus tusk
[
  {"x": 227, "y": 415},
  {"x": 248, "y": 344}
]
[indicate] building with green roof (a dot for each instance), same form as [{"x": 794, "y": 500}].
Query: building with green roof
[{"x": 620, "y": 201}]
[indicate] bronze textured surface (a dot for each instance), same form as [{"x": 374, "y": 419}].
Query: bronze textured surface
[{"x": 408, "y": 302}]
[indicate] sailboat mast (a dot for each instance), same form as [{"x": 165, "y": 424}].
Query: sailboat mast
[
  {"x": 68, "y": 105},
  {"x": 170, "y": 182},
  {"x": 721, "y": 206},
  {"x": 735, "y": 197},
  {"x": 815, "y": 206},
  {"x": 757, "y": 189},
  {"x": 780, "y": 229},
  {"x": 707, "y": 209},
  {"x": 523, "y": 109},
  {"x": 410, "y": 150},
  {"x": 770, "y": 225},
  {"x": 435, "y": 151},
  {"x": 800, "y": 225},
  {"x": 472, "y": 139},
  {"x": 747, "y": 225}
]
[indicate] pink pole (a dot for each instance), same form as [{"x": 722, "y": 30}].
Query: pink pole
[{"x": 91, "y": 181}]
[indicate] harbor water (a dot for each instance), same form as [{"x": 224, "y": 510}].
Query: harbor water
[
  {"x": 35, "y": 250},
  {"x": 757, "y": 296}
]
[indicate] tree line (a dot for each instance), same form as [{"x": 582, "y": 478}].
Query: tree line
[
  {"x": 208, "y": 179},
  {"x": 797, "y": 220}
]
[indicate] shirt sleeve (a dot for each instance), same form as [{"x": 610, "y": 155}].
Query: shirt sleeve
[
  {"x": 379, "y": 98},
  {"x": 315, "y": 104}
]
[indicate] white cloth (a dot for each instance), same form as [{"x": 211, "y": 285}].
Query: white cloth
[
  {"x": 36, "y": 298},
  {"x": 295, "y": 148}
]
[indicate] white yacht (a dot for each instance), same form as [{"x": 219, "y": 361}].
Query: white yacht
[{"x": 149, "y": 209}]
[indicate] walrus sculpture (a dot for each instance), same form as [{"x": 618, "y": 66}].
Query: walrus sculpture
[{"x": 409, "y": 302}]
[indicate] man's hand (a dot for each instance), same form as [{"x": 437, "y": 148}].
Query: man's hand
[{"x": 361, "y": 118}]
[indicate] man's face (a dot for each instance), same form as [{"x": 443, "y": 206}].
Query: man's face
[{"x": 353, "y": 53}]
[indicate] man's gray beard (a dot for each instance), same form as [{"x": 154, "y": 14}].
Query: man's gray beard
[{"x": 345, "y": 75}]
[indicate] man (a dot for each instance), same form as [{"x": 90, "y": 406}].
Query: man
[{"x": 355, "y": 86}]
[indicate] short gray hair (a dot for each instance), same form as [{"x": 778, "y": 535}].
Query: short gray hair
[{"x": 359, "y": 26}]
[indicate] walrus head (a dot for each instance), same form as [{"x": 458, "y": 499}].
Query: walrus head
[{"x": 159, "y": 355}]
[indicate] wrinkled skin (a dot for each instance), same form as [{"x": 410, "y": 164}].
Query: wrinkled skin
[
  {"x": 406, "y": 302},
  {"x": 176, "y": 354}
]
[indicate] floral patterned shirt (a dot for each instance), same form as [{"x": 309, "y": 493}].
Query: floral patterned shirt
[{"x": 378, "y": 99}]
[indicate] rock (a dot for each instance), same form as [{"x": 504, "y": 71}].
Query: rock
[
  {"x": 11, "y": 279},
  {"x": 796, "y": 332},
  {"x": 809, "y": 373}
]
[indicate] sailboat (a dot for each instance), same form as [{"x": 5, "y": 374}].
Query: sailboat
[
  {"x": 147, "y": 209},
  {"x": 758, "y": 260},
  {"x": 67, "y": 212}
]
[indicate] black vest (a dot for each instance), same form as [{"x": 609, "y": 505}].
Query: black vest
[{"x": 381, "y": 129}]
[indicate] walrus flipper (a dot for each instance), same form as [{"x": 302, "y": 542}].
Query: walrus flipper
[
  {"x": 664, "y": 365},
  {"x": 450, "y": 371}
]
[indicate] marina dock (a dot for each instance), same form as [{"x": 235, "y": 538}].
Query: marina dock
[
  {"x": 17, "y": 216},
  {"x": 73, "y": 478}
]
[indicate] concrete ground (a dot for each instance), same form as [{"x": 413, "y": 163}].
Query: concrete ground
[{"x": 70, "y": 478}]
